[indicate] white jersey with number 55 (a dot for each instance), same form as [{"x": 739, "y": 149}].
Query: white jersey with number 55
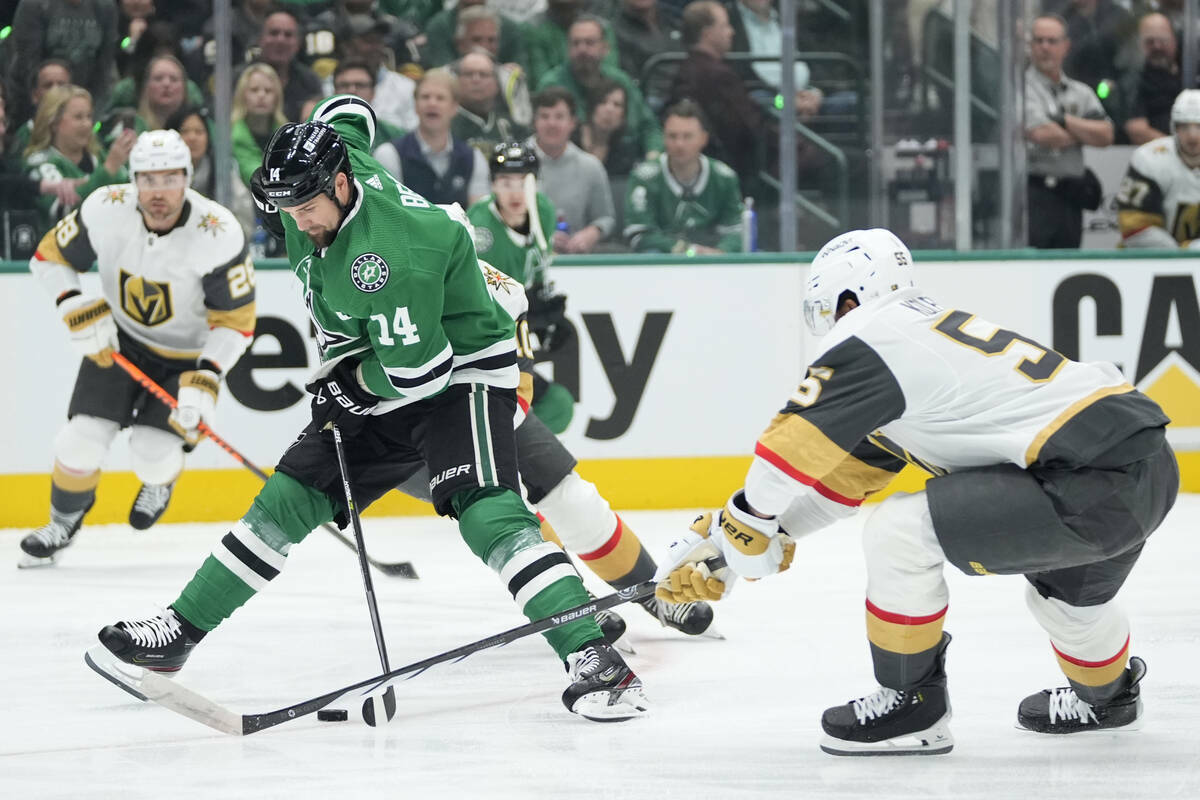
[{"x": 901, "y": 379}]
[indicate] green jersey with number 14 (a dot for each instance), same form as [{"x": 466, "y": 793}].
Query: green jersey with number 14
[{"x": 400, "y": 286}]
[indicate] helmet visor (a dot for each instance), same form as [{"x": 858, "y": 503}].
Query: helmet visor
[{"x": 818, "y": 315}]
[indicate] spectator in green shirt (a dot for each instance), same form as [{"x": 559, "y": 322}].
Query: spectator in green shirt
[
  {"x": 684, "y": 201},
  {"x": 257, "y": 112},
  {"x": 586, "y": 66},
  {"x": 546, "y": 38},
  {"x": 63, "y": 146}
]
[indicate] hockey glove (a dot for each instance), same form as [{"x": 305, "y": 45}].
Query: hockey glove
[
  {"x": 752, "y": 547},
  {"x": 682, "y": 575},
  {"x": 90, "y": 321},
  {"x": 197, "y": 402},
  {"x": 268, "y": 212},
  {"x": 338, "y": 398},
  {"x": 547, "y": 317}
]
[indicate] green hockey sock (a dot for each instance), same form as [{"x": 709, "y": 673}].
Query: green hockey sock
[
  {"x": 501, "y": 531},
  {"x": 253, "y": 552}
]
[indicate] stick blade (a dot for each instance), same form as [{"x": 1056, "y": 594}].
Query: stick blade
[
  {"x": 182, "y": 700},
  {"x": 400, "y": 569}
]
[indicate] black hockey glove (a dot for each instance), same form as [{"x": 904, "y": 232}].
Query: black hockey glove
[
  {"x": 338, "y": 398},
  {"x": 547, "y": 316},
  {"x": 268, "y": 212}
]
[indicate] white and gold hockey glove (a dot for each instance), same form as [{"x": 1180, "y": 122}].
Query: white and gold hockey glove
[
  {"x": 90, "y": 321},
  {"x": 751, "y": 546},
  {"x": 196, "y": 403}
]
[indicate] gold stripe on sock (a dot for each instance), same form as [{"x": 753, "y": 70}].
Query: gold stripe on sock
[{"x": 71, "y": 481}]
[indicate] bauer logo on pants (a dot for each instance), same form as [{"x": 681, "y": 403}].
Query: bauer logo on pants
[{"x": 369, "y": 272}]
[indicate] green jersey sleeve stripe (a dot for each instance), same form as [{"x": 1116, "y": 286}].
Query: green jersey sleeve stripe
[
  {"x": 495, "y": 365},
  {"x": 433, "y": 370},
  {"x": 348, "y": 106}
]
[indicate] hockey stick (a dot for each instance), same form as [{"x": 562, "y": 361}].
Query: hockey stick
[
  {"x": 178, "y": 698},
  {"x": 403, "y": 569},
  {"x": 389, "y": 697}
]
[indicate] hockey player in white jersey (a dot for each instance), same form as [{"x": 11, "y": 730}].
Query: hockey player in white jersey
[
  {"x": 1158, "y": 204},
  {"x": 1042, "y": 466},
  {"x": 177, "y": 300}
]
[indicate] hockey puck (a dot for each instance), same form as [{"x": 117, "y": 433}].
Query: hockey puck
[{"x": 333, "y": 715}]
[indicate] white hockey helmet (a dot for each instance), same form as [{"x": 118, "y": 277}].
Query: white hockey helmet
[
  {"x": 161, "y": 149},
  {"x": 867, "y": 263},
  {"x": 1186, "y": 107}
]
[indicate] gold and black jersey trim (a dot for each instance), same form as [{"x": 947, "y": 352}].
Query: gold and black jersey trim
[
  {"x": 68, "y": 243},
  {"x": 1092, "y": 426},
  {"x": 818, "y": 438},
  {"x": 231, "y": 285}
]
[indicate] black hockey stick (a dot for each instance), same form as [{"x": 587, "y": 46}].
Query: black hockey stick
[
  {"x": 389, "y": 697},
  {"x": 403, "y": 569},
  {"x": 178, "y": 698}
]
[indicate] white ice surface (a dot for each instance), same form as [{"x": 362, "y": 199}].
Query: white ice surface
[{"x": 730, "y": 719}]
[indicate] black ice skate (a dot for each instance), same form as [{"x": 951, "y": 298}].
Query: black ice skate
[
  {"x": 1062, "y": 711},
  {"x": 150, "y": 504},
  {"x": 693, "y": 619},
  {"x": 41, "y": 546},
  {"x": 161, "y": 643},
  {"x": 603, "y": 688},
  {"x": 891, "y": 722},
  {"x": 612, "y": 625}
]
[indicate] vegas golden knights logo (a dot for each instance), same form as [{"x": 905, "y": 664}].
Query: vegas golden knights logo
[{"x": 144, "y": 300}]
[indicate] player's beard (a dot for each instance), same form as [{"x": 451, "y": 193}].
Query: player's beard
[{"x": 322, "y": 238}]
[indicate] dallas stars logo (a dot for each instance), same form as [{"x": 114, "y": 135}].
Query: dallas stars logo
[
  {"x": 115, "y": 194},
  {"x": 211, "y": 223},
  {"x": 369, "y": 272}
]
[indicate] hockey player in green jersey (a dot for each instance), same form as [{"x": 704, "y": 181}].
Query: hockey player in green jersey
[
  {"x": 683, "y": 201},
  {"x": 514, "y": 242},
  {"x": 418, "y": 368}
]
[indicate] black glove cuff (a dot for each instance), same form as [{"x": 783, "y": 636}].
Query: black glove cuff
[{"x": 345, "y": 372}]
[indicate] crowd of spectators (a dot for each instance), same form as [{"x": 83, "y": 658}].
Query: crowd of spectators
[{"x": 588, "y": 83}]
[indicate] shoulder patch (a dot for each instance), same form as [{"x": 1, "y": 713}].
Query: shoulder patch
[
  {"x": 115, "y": 194},
  {"x": 369, "y": 272},
  {"x": 210, "y": 223},
  {"x": 375, "y": 183},
  {"x": 646, "y": 170},
  {"x": 722, "y": 169},
  {"x": 483, "y": 240}
]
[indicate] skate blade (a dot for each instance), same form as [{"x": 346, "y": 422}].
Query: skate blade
[
  {"x": 710, "y": 632},
  {"x": 602, "y": 706},
  {"x": 623, "y": 645},
  {"x": 33, "y": 562},
  {"x": 933, "y": 741},
  {"x": 124, "y": 676},
  {"x": 1132, "y": 727}
]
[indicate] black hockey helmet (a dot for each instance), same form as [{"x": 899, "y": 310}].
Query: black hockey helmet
[
  {"x": 512, "y": 157},
  {"x": 301, "y": 161}
]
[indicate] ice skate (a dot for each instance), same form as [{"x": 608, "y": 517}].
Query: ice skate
[
  {"x": 150, "y": 504},
  {"x": 692, "y": 619},
  {"x": 612, "y": 625},
  {"x": 892, "y": 722},
  {"x": 603, "y": 688},
  {"x": 161, "y": 643},
  {"x": 41, "y": 547},
  {"x": 1062, "y": 711}
]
